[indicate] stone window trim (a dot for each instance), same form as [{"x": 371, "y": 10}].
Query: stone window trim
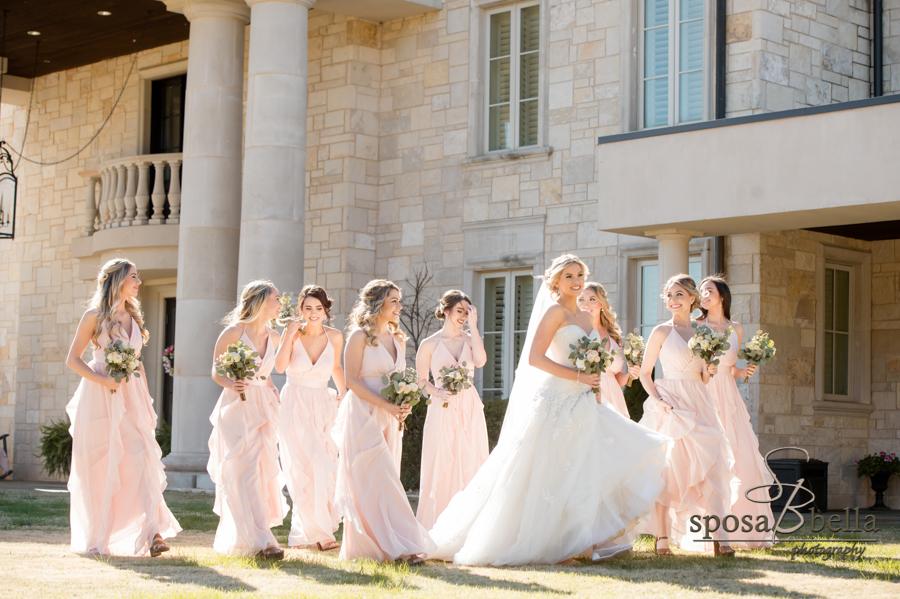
[
  {"x": 631, "y": 52},
  {"x": 153, "y": 301},
  {"x": 630, "y": 256},
  {"x": 146, "y": 77},
  {"x": 476, "y": 151},
  {"x": 859, "y": 403}
]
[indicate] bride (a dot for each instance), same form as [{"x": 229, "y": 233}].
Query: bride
[{"x": 568, "y": 475}]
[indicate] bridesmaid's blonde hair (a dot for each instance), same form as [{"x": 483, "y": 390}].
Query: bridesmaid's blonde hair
[
  {"x": 607, "y": 316},
  {"x": 108, "y": 296},
  {"x": 368, "y": 306},
  {"x": 554, "y": 272},
  {"x": 687, "y": 282},
  {"x": 253, "y": 298}
]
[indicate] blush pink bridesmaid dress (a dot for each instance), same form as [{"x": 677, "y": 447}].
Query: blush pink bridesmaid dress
[
  {"x": 308, "y": 452},
  {"x": 750, "y": 467},
  {"x": 610, "y": 392},
  {"x": 117, "y": 479},
  {"x": 243, "y": 462},
  {"x": 455, "y": 442},
  {"x": 378, "y": 520},
  {"x": 699, "y": 477}
]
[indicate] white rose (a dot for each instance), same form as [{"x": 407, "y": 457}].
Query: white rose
[
  {"x": 579, "y": 364},
  {"x": 114, "y": 358},
  {"x": 412, "y": 387},
  {"x": 704, "y": 343},
  {"x": 235, "y": 357}
]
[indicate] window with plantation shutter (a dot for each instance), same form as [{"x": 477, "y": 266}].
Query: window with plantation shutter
[
  {"x": 837, "y": 330},
  {"x": 672, "y": 66},
  {"x": 513, "y": 66},
  {"x": 508, "y": 301}
]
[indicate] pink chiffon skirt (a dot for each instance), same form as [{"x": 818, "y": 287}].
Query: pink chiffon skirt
[
  {"x": 117, "y": 479},
  {"x": 454, "y": 446},
  {"x": 309, "y": 460},
  {"x": 243, "y": 463},
  {"x": 699, "y": 476},
  {"x": 378, "y": 519},
  {"x": 611, "y": 394}
]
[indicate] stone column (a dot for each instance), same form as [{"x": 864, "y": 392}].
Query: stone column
[
  {"x": 210, "y": 220},
  {"x": 673, "y": 257},
  {"x": 274, "y": 190}
]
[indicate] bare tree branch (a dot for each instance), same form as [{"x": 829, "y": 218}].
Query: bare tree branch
[{"x": 417, "y": 317}]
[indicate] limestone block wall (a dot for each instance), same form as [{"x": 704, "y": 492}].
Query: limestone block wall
[
  {"x": 891, "y": 29},
  {"x": 785, "y": 54},
  {"x": 41, "y": 296}
]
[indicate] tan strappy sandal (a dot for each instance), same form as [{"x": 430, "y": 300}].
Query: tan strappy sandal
[
  {"x": 664, "y": 551},
  {"x": 158, "y": 546}
]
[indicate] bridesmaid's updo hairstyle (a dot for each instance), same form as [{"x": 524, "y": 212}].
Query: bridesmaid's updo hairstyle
[
  {"x": 320, "y": 294},
  {"x": 108, "y": 296},
  {"x": 368, "y": 306},
  {"x": 253, "y": 298},
  {"x": 724, "y": 293},
  {"x": 448, "y": 301},
  {"x": 552, "y": 274},
  {"x": 687, "y": 282},
  {"x": 607, "y": 316}
]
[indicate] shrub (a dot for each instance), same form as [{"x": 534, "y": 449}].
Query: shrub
[
  {"x": 56, "y": 448},
  {"x": 411, "y": 461},
  {"x": 634, "y": 398},
  {"x": 878, "y": 463},
  {"x": 164, "y": 437}
]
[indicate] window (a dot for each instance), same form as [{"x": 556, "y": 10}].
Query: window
[
  {"x": 837, "y": 330},
  {"x": 649, "y": 292},
  {"x": 672, "y": 66},
  {"x": 512, "y": 98},
  {"x": 508, "y": 301},
  {"x": 167, "y": 114}
]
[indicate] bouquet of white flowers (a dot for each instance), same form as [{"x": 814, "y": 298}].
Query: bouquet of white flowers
[
  {"x": 708, "y": 344},
  {"x": 238, "y": 363},
  {"x": 286, "y": 312},
  {"x": 122, "y": 361},
  {"x": 759, "y": 350},
  {"x": 592, "y": 356},
  {"x": 633, "y": 350},
  {"x": 455, "y": 379},
  {"x": 402, "y": 387}
]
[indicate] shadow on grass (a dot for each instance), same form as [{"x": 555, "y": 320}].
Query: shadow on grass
[{"x": 459, "y": 576}]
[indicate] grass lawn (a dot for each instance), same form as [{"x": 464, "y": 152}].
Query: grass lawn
[{"x": 35, "y": 562}]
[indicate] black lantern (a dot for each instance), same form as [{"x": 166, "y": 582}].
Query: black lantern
[{"x": 8, "y": 184}]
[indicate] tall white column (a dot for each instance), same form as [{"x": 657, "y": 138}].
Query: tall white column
[
  {"x": 209, "y": 232},
  {"x": 274, "y": 188},
  {"x": 673, "y": 257}
]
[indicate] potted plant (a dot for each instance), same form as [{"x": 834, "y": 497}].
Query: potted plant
[{"x": 878, "y": 467}]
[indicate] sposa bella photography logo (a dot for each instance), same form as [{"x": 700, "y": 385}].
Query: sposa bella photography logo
[{"x": 849, "y": 522}]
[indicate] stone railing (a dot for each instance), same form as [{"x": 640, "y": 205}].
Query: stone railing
[{"x": 125, "y": 198}]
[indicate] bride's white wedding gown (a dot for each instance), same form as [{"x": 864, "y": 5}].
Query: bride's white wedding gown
[{"x": 567, "y": 474}]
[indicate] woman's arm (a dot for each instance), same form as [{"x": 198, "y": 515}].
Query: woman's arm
[
  {"x": 423, "y": 364},
  {"x": 632, "y": 371},
  {"x": 749, "y": 369},
  {"x": 286, "y": 347},
  {"x": 74, "y": 361},
  {"x": 537, "y": 357},
  {"x": 478, "y": 353},
  {"x": 229, "y": 336},
  {"x": 337, "y": 373},
  {"x": 353, "y": 355},
  {"x": 277, "y": 342},
  {"x": 657, "y": 337}
]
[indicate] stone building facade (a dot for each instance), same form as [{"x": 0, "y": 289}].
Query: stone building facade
[{"x": 399, "y": 175}]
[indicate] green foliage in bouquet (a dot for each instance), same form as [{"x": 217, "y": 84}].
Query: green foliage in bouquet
[
  {"x": 403, "y": 388},
  {"x": 708, "y": 344},
  {"x": 56, "y": 448},
  {"x": 455, "y": 379},
  {"x": 286, "y": 312},
  {"x": 878, "y": 463},
  {"x": 122, "y": 361},
  {"x": 238, "y": 363},
  {"x": 633, "y": 349},
  {"x": 592, "y": 356},
  {"x": 759, "y": 350}
]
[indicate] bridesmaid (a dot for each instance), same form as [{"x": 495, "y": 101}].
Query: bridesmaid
[
  {"x": 455, "y": 442},
  {"x": 594, "y": 301},
  {"x": 308, "y": 452},
  {"x": 699, "y": 477},
  {"x": 243, "y": 454},
  {"x": 378, "y": 520},
  {"x": 117, "y": 478},
  {"x": 750, "y": 467}
]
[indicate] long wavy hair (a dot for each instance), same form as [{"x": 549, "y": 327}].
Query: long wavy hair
[
  {"x": 686, "y": 281},
  {"x": 607, "y": 316},
  {"x": 554, "y": 272},
  {"x": 724, "y": 293},
  {"x": 367, "y": 308},
  {"x": 253, "y": 298},
  {"x": 107, "y": 298}
]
